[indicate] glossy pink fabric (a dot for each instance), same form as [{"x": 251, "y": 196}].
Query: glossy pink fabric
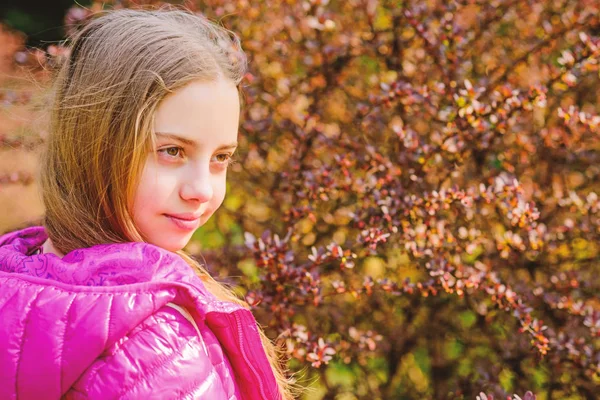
[{"x": 97, "y": 324}]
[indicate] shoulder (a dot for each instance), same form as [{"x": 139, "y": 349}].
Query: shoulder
[
  {"x": 112, "y": 342},
  {"x": 166, "y": 356}
]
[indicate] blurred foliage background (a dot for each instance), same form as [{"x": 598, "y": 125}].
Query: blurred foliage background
[
  {"x": 42, "y": 22},
  {"x": 414, "y": 213}
]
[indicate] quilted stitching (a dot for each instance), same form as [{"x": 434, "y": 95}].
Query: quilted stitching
[
  {"x": 154, "y": 369},
  {"x": 64, "y": 339},
  {"x": 24, "y": 338},
  {"x": 200, "y": 385},
  {"x": 109, "y": 317},
  {"x": 117, "y": 347}
]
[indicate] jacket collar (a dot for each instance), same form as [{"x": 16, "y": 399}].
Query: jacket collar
[{"x": 100, "y": 265}]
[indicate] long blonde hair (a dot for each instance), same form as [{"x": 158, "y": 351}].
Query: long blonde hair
[{"x": 121, "y": 65}]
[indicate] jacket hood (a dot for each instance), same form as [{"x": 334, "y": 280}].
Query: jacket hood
[{"x": 59, "y": 314}]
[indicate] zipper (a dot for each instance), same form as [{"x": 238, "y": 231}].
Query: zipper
[{"x": 241, "y": 343}]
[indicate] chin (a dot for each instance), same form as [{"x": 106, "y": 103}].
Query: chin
[{"x": 172, "y": 245}]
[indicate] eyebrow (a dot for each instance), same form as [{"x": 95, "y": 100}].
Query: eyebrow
[{"x": 192, "y": 143}]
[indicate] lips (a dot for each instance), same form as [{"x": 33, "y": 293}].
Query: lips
[
  {"x": 186, "y": 222},
  {"x": 185, "y": 217}
]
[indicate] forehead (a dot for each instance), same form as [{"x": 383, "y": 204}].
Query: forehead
[{"x": 204, "y": 112}]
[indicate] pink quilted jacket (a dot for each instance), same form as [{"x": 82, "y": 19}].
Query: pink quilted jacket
[{"x": 126, "y": 321}]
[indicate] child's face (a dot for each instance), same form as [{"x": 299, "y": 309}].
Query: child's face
[{"x": 196, "y": 132}]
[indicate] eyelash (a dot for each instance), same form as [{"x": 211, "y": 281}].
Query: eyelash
[{"x": 228, "y": 162}]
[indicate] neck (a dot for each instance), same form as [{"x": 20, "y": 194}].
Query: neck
[{"x": 48, "y": 247}]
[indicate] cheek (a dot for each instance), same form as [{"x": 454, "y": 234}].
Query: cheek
[
  {"x": 151, "y": 193},
  {"x": 219, "y": 189}
]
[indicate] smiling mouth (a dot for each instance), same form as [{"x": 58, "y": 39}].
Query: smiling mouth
[{"x": 184, "y": 223}]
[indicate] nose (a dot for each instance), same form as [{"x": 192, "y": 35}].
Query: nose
[{"x": 197, "y": 185}]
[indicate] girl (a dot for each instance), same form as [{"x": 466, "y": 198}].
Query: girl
[{"x": 101, "y": 302}]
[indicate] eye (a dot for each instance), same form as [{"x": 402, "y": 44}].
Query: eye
[
  {"x": 172, "y": 151},
  {"x": 223, "y": 158}
]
